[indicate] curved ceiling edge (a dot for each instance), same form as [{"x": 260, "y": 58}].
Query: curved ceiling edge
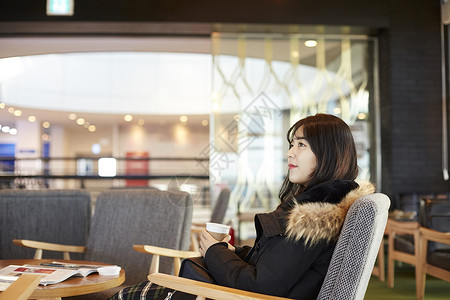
[{"x": 24, "y": 46}]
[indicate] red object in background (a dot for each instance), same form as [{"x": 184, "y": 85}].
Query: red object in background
[
  {"x": 137, "y": 167},
  {"x": 232, "y": 236}
]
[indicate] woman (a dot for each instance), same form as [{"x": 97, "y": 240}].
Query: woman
[{"x": 294, "y": 243}]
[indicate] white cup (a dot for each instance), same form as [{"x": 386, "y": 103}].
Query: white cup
[
  {"x": 109, "y": 270},
  {"x": 218, "y": 231}
]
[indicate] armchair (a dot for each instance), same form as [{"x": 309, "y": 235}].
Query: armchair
[
  {"x": 403, "y": 245},
  {"x": 434, "y": 263},
  {"x": 351, "y": 264},
  {"x": 420, "y": 249},
  {"x": 126, "y": 217},
  {"x": 434, "y": 258},
  {"x": 54, "y": 216}
]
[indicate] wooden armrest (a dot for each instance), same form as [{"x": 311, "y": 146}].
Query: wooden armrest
[
  {"x": 22, "y": 288},
  {"x": 435, "y": 236},
  {"x": 197, "y": 230},
  {"x": 39, "y": 246},
  {"x": 402, "y": 227},
  {"x": 206, "y": 290},
  {"x": 159, "y": 251},
  {"x": 165, "y": 251}
]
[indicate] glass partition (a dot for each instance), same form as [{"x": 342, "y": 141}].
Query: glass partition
[{"x": 262, "y": 84}]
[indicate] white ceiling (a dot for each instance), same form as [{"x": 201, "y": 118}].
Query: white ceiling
[
  {"x": 138, "y": 86},
  {"x": 37, "y": 87}
]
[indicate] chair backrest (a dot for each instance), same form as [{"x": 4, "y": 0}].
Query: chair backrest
[
  {"x": 435, "y": 214},
  {"x": 221, "y": 205},
  {"x": 56, "y": 216},
  {"x": 356, "y": 250},
  {"x": 123, "y": 218}
]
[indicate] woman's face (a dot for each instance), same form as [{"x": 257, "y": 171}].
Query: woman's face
[{"x": 302, "y": 161}]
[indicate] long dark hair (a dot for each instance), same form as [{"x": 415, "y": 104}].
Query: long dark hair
[{"x": 331, "y": 140}]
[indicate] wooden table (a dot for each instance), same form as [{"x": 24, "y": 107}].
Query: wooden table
[{"x": 74, "y": 285}]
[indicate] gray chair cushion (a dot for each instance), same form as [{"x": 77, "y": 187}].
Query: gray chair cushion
[
  {"x": 356, "y": 250},
  {"x": 57, "y": 216},
  {"x": 126, "y": 217},
  {"x": 435, "y": 214},
  {"x": 440, "y": 258},
  {"x": 404, "y": 243}
]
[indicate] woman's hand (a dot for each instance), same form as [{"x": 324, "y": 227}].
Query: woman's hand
[{"x": 207, "y": 240}]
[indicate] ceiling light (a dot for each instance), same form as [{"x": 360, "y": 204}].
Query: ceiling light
[
  {"x": 141, "y": 122},
  {"x": 5, "y": 129},
  {"x": 11, "y": 109},
  {"x": 13, "y": 131},
  {"x": 361, "y": 116},
  {"x": 2, "y": 105},
  {"x": 60, "y": 7},
  {"x": 80, "y": 121},
  {"x": 128, "y": 118},
  {"x": 92, "y": 128},
  {"x": 31, "y": 119},
  {"x": 18, "y": 113},
  {"x": 183, "y": 119},
  {"x": 46, "y": 124},
  {"x": 205, "y": 122},
  {"x": 96, "y": 148},
  {"x": 311, "y": 43},
  {"x": 72, "y": 117}
]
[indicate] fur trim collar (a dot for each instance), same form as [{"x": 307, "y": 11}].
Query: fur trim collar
[{"x": 322, "y": 221}]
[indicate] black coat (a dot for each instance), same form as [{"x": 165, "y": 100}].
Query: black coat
[{"x": 293, "y": 246}]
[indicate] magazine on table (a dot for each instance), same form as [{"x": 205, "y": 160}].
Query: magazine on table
[{"x": 51, "y": 273}]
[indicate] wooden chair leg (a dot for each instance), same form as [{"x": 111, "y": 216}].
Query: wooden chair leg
[
  {"x": 38, "y": 254},
  {"x": 154, "y": 266},
  {"x": 418, "y": 267},
  {"x": 176, "y": 265},
  {"x": 194, "y": 242},
  {"x": 381, "y": 262},
  {"x": 391, "y": 267},
  {"x": 421, "y": 276}
]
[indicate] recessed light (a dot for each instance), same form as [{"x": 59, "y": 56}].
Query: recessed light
[{"x": 311, "y": 43}]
